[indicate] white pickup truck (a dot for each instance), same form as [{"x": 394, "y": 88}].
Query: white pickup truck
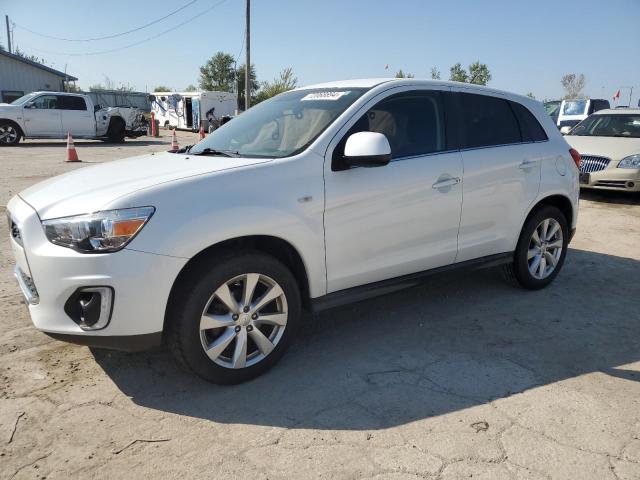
[{"x": 53, "y": 114}]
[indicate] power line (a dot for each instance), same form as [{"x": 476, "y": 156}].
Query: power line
[
  {"x": 101, "y": 52},
  {"x": 107, "y": 36}
]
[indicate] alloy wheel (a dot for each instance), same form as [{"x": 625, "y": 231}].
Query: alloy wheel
[
  {"x": 545, "y": 248},
  {"x": 243, "y": 320},
  {"x": 8, "y": 134}
]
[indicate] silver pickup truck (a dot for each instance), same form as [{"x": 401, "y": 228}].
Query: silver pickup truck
[{"x": 53, "y": 114}]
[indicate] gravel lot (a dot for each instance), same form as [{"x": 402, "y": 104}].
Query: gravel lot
[{"x": 463, "y": 377}]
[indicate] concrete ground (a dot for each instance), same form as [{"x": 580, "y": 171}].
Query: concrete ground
[{"x": 463, "y": 377}]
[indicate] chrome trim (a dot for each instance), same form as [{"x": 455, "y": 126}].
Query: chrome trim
[
  {"x": 593, "y": 163},
  {"x": 27, "y": 286}
]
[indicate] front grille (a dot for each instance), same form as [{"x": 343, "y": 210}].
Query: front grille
[
  {"x": 15, "y": 233},
  {"x": 592, "y": 163}
]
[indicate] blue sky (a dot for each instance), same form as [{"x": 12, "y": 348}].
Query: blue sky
[{"x": 527, "y": 45}]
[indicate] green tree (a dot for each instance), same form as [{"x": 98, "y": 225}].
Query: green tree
[
  {"x": 253, "y": 82},
  {"x": 479, "y": 73},
  {"x": 285, "y": 82},
  {"x": 218, "y": 73},
  {"x": 458, "y": 74},
  {"x": 162, "y": 88},
  {"x": 435, "y": 73},
  {"x": 191, "y": 88},
  {"x": 401, "y": 74},
  {"x": 573, "y": 85},
  {"x": 531, "y": 95}
]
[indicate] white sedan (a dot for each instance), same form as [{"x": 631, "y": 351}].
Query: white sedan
[{"x": 609, "y": 143}]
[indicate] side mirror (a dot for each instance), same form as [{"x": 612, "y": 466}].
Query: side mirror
[
  {"x": 565, "y": 130},
  {"x": 367, "y": 149},
  {"x": 29, "y": 105}
]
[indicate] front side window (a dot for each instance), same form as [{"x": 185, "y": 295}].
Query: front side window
[
  {"x": 46, "y": 102},
  {"x": 574, "y": 107},
  {"x": 616, "y": 125},
  {"x": 413, "y": 122},
  {"x": 69, "y": 102},
  {"x": 281, "y": 126},
  {"x": 487, "y": 121}
]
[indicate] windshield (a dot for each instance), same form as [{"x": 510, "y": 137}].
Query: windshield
[
  {"x": 626, "y": 125},
  {"x": 23, "y": 99},
  {"x": 552, "y": 107},
  {"x": 281, "y": 126},
  {"x": 574, "y": 107}
]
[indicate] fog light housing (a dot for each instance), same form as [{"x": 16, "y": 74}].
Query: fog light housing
[{"x": 90, "y": 307}]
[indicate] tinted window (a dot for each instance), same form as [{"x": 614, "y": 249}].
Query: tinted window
[
  {"x": 46, "y": 102},
  {"x": 487, "y": 121},
  {"x": 72, "y": 103},
  {"x": 413, "y": 122},
  {"x": 531, "y": 129}
]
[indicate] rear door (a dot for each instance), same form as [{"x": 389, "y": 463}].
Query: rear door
[
  {"x": 75, "y": 116},
  {"x": 42, "y": 117},
  {"x": 401, "y": 218},
  {"x": 501, "y": 175}
]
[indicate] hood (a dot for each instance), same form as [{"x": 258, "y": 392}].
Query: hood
[
  {"x": 615, "y": 148},
  {"x": 89, "y": 189}
]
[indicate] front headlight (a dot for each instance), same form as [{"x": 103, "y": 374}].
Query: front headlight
[
  {"x": 100, "y": 232},
  {"x": 632, "y": 161}
]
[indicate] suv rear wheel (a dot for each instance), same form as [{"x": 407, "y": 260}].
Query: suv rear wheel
[
  {"x": 233, "y": 319},
  {"x": 541, "y": 249}
]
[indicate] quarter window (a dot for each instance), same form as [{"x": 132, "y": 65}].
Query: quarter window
[
  {"x": 487, "y": 121},
  {"x": 70, "y": 102},
  {"x": 531, "y": 129},
  {"x": 46, "y": 102}
]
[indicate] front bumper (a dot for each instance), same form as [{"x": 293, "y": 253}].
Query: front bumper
[
  {"x": 613, "y": 178},
  {"x": 49, "y": 275}
]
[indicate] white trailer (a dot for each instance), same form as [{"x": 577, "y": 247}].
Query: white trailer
[{"x": 190, "y": 110}]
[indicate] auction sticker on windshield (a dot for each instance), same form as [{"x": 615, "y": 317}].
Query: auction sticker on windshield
[{"x": 324, "y": 96}]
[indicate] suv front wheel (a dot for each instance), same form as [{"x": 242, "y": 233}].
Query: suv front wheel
[
  {"x": 234, "y": 317},
  {"x": 541, "y": 250}
]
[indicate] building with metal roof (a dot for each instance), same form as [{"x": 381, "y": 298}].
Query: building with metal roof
[{"x": 19, "y": 76}]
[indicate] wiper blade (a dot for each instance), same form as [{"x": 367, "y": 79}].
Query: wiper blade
[{"x": 212, "y": 151}]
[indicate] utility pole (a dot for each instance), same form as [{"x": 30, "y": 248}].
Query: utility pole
[
  {"x": 6, "y": 18},
  {"x": 247, "y": 68}
]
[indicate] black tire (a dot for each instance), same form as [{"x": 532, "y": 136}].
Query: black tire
[
  {"x": 12, "y": 131},
  {"x": 517, "y": 273},
  {"x": 116, "y": 131},
  {"x": 192, "y": 296}
]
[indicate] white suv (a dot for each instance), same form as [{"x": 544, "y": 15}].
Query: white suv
[{"x": 320, "y": 196}]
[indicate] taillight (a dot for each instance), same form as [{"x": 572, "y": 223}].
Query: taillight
[{"x": 576, "y": 157}]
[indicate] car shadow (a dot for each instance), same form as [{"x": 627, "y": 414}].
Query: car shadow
[
  {"x": 459, "y": 341},
  {"x": 610, "y": 196}
]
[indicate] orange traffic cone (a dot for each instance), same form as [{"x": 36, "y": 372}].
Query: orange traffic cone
[
  {"x": 174, "y": 143},
  {"x": 202, "y": 134},
  {"x": 72, "y": 155}
]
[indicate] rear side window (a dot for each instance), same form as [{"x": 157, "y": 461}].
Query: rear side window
[
  {"x": 531, "y": 129},
  {"x": 487, "y": 121},
  {"x": 413, "y": 122},
  {"x": 71, "y": 103}
]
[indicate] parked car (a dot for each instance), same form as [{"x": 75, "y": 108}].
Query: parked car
[
  {"x": 53, "y": 114},
  {"x": 574, "y": 111},
  {"x": 609, "y": 141},
  {"x": 320, "y": 196}
]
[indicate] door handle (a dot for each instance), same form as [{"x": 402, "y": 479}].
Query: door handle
[
  {"x": 527, "y": 164},
  {"x": 449, "y": 182}
]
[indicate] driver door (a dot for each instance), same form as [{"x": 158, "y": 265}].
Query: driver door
[
  {"x": 42, "y": 117},
  {"x": 398, "y": 219}
]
